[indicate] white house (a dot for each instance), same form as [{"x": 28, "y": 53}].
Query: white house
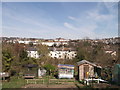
[
  {"x": 62, "y": 53},
  {"x": 53, "y": 43},
  {"x": 113, "y": 53},
  {"x": 48, "y": 43},
  {"x": 24, "y": 42},
  {"x": 32, "y": 52},
  {"x": 61, "y": 39}
]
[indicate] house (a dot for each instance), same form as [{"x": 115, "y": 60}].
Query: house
[
  {"x": 88, "y": 70},
  {"x": 116, "y": 74},
  {"x": 54, "y": 43},
  {"x": 65, "y": 71},
  {"x": 113, "y": 53},
  {"x": 62, "y": 53},
  {"x": 24, "y": 42},
  {"x": 61, "y": 39},
  {"x": 32, "y": 52},
  {"x": 48, "y": 43}
]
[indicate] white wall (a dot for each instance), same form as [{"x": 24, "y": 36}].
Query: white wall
[
  {"x": 33, "y": 54},
  {"x": 62, "y": 54}
]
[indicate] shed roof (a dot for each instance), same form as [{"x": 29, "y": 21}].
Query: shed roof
[
  {"x": 87, "y": 62},
  {"x": 65, "y": 66}
]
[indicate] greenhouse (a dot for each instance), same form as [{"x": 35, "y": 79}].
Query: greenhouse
[{"x": 116, "y": 74}]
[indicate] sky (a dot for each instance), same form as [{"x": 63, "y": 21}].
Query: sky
[{"x": 70, "y": 20}]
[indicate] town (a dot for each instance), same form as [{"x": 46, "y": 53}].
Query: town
[{"x": 66, "y": 63}]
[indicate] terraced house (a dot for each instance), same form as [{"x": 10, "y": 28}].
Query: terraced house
[{"x": 62, "y": 53}]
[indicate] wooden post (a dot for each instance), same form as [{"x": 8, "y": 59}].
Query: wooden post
[
  {"x": 35, "y": 81},
  {"x": 43, "y": 81},
  {"x": 27, "y": 81},
  {"x": 58, "y": 81}
]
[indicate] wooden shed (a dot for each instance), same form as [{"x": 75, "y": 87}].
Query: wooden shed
[{"x": 87, "y": 70}]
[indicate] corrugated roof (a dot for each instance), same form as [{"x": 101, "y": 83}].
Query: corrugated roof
[
  {"x": 87, "y": 62},
  {"x": 65, "y": 65}
]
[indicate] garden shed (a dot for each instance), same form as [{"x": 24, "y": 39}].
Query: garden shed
[
  {"x": 4, "y": 76},
  {"x": 87, "y": 70},
  {"x": 30, "y": 70},
  {"x": 65, "y": 71},
  {"x": 116, "y": 74}
]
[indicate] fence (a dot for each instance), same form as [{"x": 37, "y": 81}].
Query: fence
[{"x": 51, "y": 81}]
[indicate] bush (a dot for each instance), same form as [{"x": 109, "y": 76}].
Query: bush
[{"x": 50, "y": 69}]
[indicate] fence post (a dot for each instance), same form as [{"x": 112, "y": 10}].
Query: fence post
[
  {"x": 58, "y": 81},
  {"x": 27, "y": 81},
  {"x": 35, "y": 81},
  {"x": 43, "y": 81}
]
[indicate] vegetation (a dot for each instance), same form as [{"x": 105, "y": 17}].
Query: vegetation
[
  {"x": 14, "y": 83},
  {"x": 14, "y": 56},
  {"x": 50, "y": 68}
]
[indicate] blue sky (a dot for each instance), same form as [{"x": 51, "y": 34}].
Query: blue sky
[{"x": 71, "y": 20}]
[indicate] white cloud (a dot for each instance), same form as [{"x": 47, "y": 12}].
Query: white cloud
[
  {"x": 72, "y": 18},
  {"x": 97, "y": 17},
  {"x": 94, "y": 24},
  {"x": 69, "y": 26}
]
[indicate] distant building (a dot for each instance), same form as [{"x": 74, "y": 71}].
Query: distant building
[
  {"x": 32, "y": 52},
  {"x": 61, "y": 39},
  {"x": 24, "y": 42},
  {"x": 48, "y": 43},
  {"x": 113, "y": 53},
  {"x": 88, "y": 70},
  {"x": 62, "y": 53},
  {"x": 54, "y": 43},
  {"x": 65, "y": 71}
]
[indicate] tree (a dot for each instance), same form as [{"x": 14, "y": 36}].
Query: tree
[
  {"x": 82, "y": 53},
  {"x": 23, "y": 55},
  {"x": 7, "y": 60},
  {"x": 43, "y": 49},
  {"x": 30, "y": 44},
  {"x": 43, "y": 52},
  {"x": 50, "y": 68}
]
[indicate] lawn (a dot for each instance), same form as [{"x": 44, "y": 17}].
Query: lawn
[
  {"x": 16, "y": 82},
  {"x": 13, "y": 83}
]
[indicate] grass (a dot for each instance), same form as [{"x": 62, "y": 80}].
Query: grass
[
  {"x": 16, "y": 82},
  {"x": 13, "y": 83}
]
